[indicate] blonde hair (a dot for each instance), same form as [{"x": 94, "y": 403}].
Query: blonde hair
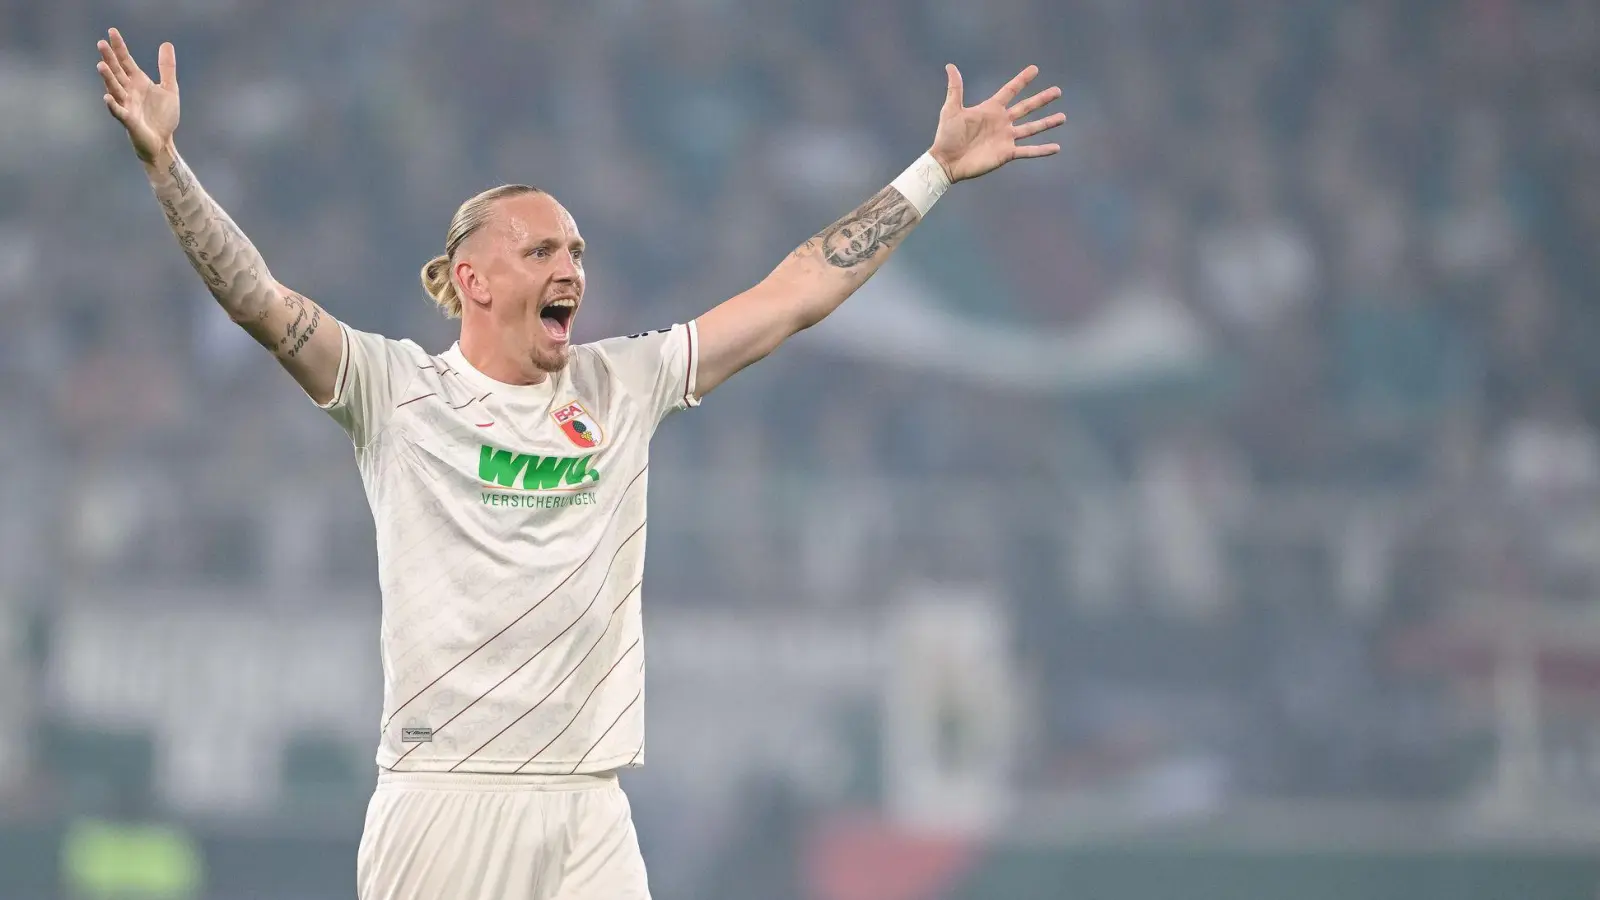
[{"x": 436, "y": 277}]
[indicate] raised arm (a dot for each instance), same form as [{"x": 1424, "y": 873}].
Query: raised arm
[
  {"x": 823, "y": 272},
  {"x": 304, "y": 339}
]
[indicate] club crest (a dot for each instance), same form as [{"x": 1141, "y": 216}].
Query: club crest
[{"x": 576, "y": 423}]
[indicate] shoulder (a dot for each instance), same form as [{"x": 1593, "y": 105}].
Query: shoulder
[
  {"x": 656, "y": 367},
  {"x": 615, "y": 356},
  {"x": 627, "y": 344},
  {"x": 375, "y": 344}
]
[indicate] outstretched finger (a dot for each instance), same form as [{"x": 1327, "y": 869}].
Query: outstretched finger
[
  {"x": 114, "y": 87},
  {"x": 1014, "y": 87},
  {"x": 953, "y": 92},
  {"x": 117, "y": 109},
  {"x": 123, "y": 56},
  {"x": 1041, "y": 99},
  {"x": 109, "y": 57},
  {"x": 1029, "y": 129},
  {"x": 1029, "y": 151},
  {"x": 167, "y": 63}
]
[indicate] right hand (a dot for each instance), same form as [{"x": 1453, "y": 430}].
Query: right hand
[{"x": 148, "y": 109}]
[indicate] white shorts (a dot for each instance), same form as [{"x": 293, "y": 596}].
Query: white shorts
[{"x": 446, "y": 836}]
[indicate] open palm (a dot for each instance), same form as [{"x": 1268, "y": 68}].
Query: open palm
[
  {"x": 974, "y": 140},
  {"x": 148, "y": 109}
]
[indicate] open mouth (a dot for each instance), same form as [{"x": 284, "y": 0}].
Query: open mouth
[{"x": 557, "y": 316}]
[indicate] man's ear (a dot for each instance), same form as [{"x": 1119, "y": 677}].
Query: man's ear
[{"x": 474, "y": 289}]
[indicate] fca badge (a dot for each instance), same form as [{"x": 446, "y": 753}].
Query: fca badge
[{"x": 577, "y": 424}]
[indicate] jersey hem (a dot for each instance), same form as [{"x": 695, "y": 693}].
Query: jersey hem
[
  {"x": 691, "y": 375},
  {"x": 342, "y": 378},
  {"x": 473, "y": 781},
  {"x": 513, "y": 767}
]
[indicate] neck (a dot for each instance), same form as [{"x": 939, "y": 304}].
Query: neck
[{"x": 486, "y": 349}]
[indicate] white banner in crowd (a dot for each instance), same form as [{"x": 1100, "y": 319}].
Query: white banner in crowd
[{"x": 895, "y": 319}]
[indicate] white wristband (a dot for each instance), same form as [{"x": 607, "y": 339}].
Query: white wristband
[{"x": 923, "y": 183}]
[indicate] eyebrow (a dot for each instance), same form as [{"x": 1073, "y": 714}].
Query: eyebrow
[{"x": 576, "y": 243}]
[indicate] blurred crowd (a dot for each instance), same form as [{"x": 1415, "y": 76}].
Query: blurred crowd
[{"x": 1382, "y": 215}]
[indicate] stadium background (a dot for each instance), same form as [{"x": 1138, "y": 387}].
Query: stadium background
[{"x": 1208, "y": 511}]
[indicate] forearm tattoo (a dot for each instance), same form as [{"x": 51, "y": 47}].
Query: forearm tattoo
[
  {"x": 870, "y": 228},
  {"x": 219, "y": 252}
]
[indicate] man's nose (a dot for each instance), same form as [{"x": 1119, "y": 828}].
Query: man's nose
[{"x": 566, "y": 269}]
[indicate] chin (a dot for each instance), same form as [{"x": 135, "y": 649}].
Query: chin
[{"x": 552, "y": 361}]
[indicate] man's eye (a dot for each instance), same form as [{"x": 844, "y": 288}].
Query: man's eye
[
  {"x": 577, "y": 256},
  {"x": 539, "y": 252}
]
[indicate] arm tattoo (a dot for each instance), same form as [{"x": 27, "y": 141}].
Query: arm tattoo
[
  {"x": 307, "y": 317},
  {"x": 181, "y": 178},
  {"x": 871, "y": 227},
  {"x": 219, "y": 253},
  {"x": 824, "y": 271}
]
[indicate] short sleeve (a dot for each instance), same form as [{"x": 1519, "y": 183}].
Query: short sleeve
[
  {"x": 657, "y": 367},
  {"x": 373, "y": 369}
]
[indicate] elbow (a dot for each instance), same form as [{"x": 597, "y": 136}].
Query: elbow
[
  {"x": 249, "y": 303},
  {"x": 246, "y": 312},
  {"x": 813, "y": 308},
  {"x": 806, "y": 317},
  {"x": 796, "y": 307}
]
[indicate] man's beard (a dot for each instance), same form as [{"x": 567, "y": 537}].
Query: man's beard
[{"x": 545, "y": 361}]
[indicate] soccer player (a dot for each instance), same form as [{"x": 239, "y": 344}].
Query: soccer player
[{"x": 507, "y": 479}]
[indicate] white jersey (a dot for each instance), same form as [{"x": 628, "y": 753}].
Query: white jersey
[{"x": 511, "y": 536}]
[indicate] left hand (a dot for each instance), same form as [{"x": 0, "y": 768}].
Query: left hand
[{"x": 974, "y": 140}]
